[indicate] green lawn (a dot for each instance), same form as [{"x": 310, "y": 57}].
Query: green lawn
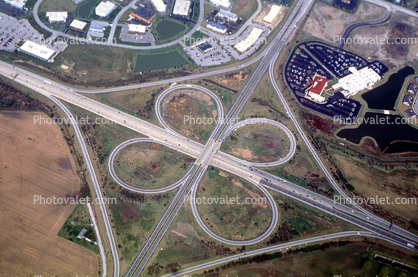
[
  {"x": 85, "y": 8},
  {"x": 171, "y": 59},
  {"x": 168, "y": 28},
  {"x": 194, "y": 38},
  {"x": 57, "y": 5}
]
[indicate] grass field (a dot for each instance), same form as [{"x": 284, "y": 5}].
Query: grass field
[
  {"x": 171, "y": 59},
  {"x": 244, "y": 9},
  {"x": 36, "y": 161},
  {"x": 81, "y": 218},
  {"x": 168, "y": 28},
  {"x": 257, "y": 143},
  {"x": 181, "y": 109},
  {"x": 233, "y": 221},
  {"x": 85, "y": 8},
  {"x": 57, "y": 5},
  {"x": 151, "y": 165},
  {"x": 194, "y": 38}
]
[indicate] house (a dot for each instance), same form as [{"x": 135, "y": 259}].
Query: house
[{"x": 407, "y": 100}]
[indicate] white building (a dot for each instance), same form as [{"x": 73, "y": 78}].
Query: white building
[
  {"x": 38, "y": 51},
  {"x": 55, "y": 17},
  {"x": 78, "y": 24},
  {"x": 357, "y": 81},
  {"x": 274, "y": 11},
  {"x": 104, "y": 8},
  {"x": 217, "y": 27},
  {"x": 181, "y": 7},
  {"x": 20, "y": 4},
  {"x": 223, "y": 3},
  {"x": 159, "y": 5},
  {"x": 134, "y": 28},
  {"x": 246, "y": 44}
]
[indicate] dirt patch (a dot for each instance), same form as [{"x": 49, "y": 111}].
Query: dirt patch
[
  {"x": 129, "y": 212},
  {"x": 326, "y": 22},
  {"x": 324, "y": 125},
  {"x": 400, "y": 44},
  {"x": 232, "y": 79},
  {"x": 253, "y": 194},
  {"x": 35, "y": 160}
]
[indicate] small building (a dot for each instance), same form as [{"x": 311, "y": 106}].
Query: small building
[
  {"x": 249, "y": 41},
  {"x": 82, "y": 233},
  {"x": 227, "y": 15},
  {"x": 20, "y": 4},
  {"x": 38, "y": 51},
  {"x": 97, "y": 28},
  {"x": 205, "y": 47},
  {"x": 57, "y": 17},
  {"x": 271, "y": 16},
  {"x": 315, "y": 90},
  {"x": 181, "y": 7},
  {"x": 407, "y": 100},
  {"x": 78, "y": 24},
  {"x": 410, "y": 113},
  {"x": 137, "y": 29},
  {"x": 159, "y": 5},
  {"x": 104, "y": 8},
  {"x": 223, "y": 3},
  {"x": 413, "y": 88},
  {"x": 217, "y": 27},
  {"x": 143, "y": 14}
]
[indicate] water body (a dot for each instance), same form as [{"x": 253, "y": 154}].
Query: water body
[
  {"x": 391, "y": 132},
  {"x": 384, "y": 96}
]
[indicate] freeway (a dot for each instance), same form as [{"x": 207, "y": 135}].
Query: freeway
[
  {"x": 275, "y": 248},
  {"x": 98, "y": 192}
]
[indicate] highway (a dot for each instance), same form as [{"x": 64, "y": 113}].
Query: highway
[
  {"x": 90, "y": 168},
  {"x": 281, "y": 247},
  {"x": 208, "y": 154}
]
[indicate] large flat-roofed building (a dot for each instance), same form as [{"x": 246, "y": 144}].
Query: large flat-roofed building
[
  {"x": 56, "y": 17},
  {"x": 159, "y": 5},
  {"x": 20, "y": 4},
  {"x": 181, "y": 7},
  {"x": 104, "y": 8},
  {"x": 137, "y": 29},
  {"x": 252, "y": 38},
  {"x": 38, "y": 51},
  {"x": 315, "y": 90},
  {"x": 217, "y": 27},
  {"x": 274, "y": 11},
  {"x": 223, "y": 3},
  {"x": 143, "y": 14},
  {"x": 358, "y": 80},
  {"x": 78, "y": 24},
  {"x": 227, "y": 15}
]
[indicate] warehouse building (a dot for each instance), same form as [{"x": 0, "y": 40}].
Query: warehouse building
[
  {"x": 78, "y": 24},
  {"x": 38, "y": 51},
  {"x": 20, "y": 4},
  {"x": 143, "y": 14},
  {"x": 357, "y": 80},
  {"x": 57, "y": 17},
  {"x": 273, "y": 13},
  {"x": 223, "y": 3},
  {"x": 217, "y": 27},
  {"x": 246, "y": 44},
  {"x": 104, "y": 8},
  {"x": 137, "y": 29},
  {"x": 181, "y": 7}
]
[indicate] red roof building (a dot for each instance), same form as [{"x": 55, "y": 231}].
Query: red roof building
[{"x": 318, "y": 85}]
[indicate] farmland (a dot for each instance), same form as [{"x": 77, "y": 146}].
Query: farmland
[{"x": 37, "y": 161}]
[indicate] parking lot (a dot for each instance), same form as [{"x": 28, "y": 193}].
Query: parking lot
[
  {"x": 216, "y": 56},
  {"x": 13, "y": 31},
  {"x": 146, "y": 38}
]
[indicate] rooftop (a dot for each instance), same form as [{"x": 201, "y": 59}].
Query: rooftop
[
  {"x": 144, "y": 13},
  {"x": 104, "y": 8},
  {"x": 78, "y": 24},
  {"x": 57, "y": 16},
  {"x": 252, "y": 38},
  {"x": 181, "y": 7},
  {"x": 274, "y": 11},
  {"x": 40, "y": 51}
]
